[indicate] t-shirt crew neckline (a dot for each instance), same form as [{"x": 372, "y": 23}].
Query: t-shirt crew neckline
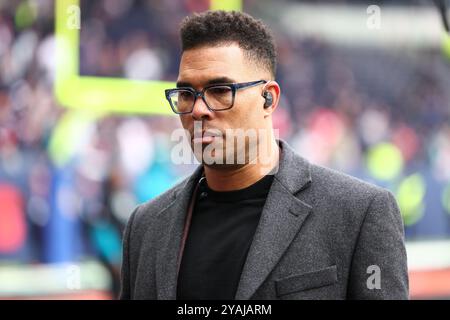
[{"x": 258, "y": 189}]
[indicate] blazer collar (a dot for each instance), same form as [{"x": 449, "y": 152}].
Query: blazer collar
[{"x": 294, "y": 171}]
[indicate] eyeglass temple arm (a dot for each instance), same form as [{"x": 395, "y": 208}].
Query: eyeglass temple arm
[{"x": 249, "y": 84}]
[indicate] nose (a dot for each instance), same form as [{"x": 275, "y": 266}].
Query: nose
[{"x": 200, "y": 110}]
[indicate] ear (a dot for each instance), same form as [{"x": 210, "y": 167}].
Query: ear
[{"x": 274, "y": 88}]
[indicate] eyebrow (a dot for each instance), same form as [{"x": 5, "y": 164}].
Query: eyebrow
[{"x": 218, "y": 80}]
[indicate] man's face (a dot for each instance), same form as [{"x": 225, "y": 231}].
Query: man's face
[{"x": 222, "y": 64}]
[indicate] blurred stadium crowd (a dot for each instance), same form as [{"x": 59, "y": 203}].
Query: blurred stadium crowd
[{"x": 381, "y": 115}]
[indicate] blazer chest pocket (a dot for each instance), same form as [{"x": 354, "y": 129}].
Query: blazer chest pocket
[{"x": 304, "y": 281}]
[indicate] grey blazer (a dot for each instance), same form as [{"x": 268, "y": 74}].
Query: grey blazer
[{"x": 322, "y": 235}]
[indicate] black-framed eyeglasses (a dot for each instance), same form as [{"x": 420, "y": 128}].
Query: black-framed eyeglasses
[{"x": 217, "y": 97}]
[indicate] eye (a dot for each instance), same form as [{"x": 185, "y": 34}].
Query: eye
[
  {"x": 185, "y": 95},
  {"x": 219, "y": 90}
]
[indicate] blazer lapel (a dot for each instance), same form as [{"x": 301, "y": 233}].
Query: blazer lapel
[
  {"x": 172, "y": 221},
  {"x": 281, "y": 219}
]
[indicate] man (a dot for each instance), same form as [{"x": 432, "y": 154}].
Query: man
[{"x": 268, "y": 227}]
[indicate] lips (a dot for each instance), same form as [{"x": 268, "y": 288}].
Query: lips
[
  {"x": 207, "y": 133},
  {"x": 206, "y": 136}
]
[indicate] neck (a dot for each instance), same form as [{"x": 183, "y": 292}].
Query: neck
[{"x": 236, "y": 178}]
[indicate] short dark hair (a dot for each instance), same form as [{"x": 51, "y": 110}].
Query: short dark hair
[{"x": 219, "y": 27}]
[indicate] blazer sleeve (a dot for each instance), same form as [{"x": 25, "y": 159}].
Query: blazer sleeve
[
  {"x": 379, "y": 264},
  {"x": 125, "y": 281}
]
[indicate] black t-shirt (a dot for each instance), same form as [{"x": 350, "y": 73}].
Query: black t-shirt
[{"x": 222, "y": 228}]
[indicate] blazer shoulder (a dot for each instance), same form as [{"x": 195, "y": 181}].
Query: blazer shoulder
[
  {"x": 151, "y": 208},
  {"x": 342, "y": 187},
  {"x": 345, "y": 200}
]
